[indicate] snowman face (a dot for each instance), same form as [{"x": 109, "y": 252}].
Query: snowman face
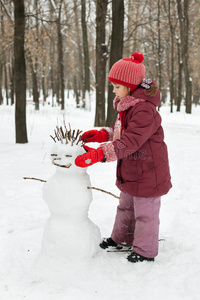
[
  {"x": 68, "y": 145},
  {"x": 63, "y": 155}
]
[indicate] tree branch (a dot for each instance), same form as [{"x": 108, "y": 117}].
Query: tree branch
[
  {"x": 97, "y": 189},
  {"x": 33, "y": 178}
]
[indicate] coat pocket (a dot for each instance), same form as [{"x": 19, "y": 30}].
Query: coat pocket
[{"x": 131, "y": 169}]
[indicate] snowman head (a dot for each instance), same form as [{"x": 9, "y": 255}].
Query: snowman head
[{"x": 68, "y": 145}]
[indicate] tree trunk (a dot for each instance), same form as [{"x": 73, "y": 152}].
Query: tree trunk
[
  {"x": 130, "y": 17},
  {"x": 1, "y": 56},
  {"x": 85, "y": 47},
  {"x": 80, "y": 60},
  {"x": 116, "y": 50},
  {"x": 60, "y": 59},
  {"x": 20, "y": 72},
  {"x": 6, "y": 83},
  {"x": 35, "y": 89},
  {"x": 171, "y": 70},
  {"x": 44, "y": 89},
  {"x": 159, "y": 53},
  {"x": 35, "y": 92},
  {"x": 11, "y": 74},
  {"x": 172, "y": 73},
  {"x": 52, "y": 80},
  {"x": 196, "y": 94},
  {"x": 180, "y": 76},
  {"x": 35, "y": 65},
  {"x": 72, "y": 58},
  {"x": 101, "y": 56},
  {"x": 1, "y": 87},
  {"x": 184, "y": 33},
  {"x": 12, "y": 85}
]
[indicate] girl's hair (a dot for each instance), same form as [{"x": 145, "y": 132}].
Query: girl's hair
[
  {"x": 152, "y": 91},
  {"x": 114, "y": 83}
]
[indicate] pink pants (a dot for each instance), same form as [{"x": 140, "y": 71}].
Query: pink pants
[{"x": 137, "y": 224}]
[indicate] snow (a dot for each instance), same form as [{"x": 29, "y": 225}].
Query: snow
[{"x": 175, "y": 274}]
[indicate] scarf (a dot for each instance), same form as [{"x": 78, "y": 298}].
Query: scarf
[{"x": 122, "y": 106}]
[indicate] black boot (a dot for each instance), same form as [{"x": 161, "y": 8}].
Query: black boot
[
  {"x": 109, "y": 243},
  {"x": 134, "y": 257}
]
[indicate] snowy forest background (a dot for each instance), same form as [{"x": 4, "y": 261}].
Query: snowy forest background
[{"x": 48, "y": 47}]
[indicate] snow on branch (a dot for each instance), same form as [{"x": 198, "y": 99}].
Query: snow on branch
[{"x": 53, "y": 4}]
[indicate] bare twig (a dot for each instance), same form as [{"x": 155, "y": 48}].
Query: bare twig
[
  {"x": 122, "y": 250},
  {"x": 65, "y": 135},
  {"x": 73, "y": 133},
  {"x": 33, "y": 178},
  {"x": 62, "y": 166},
  {"x": 97, "y": 189},
  {"x": 53, "y": 138},
  {"x": 79, "y": 139},
  {"x": 61, "y": 130}
]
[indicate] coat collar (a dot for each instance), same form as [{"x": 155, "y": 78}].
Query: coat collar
[{"x": 125, "y": 103}]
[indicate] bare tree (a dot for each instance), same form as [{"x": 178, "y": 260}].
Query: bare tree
[
  {"x": 1, "y": 94},
  {"x": 78, "y": 39},
  {"x": 172, "y": 36},
  {"x": 85, "y": 49},
  {"x": 101, "y": 56},
  {"x": 60, "y": 56},
  {"x": 180, "y": 76},
  {"x": 20, "y": 72},
  {"x": 116, "y": 50},
  {"x": 1, "y": 56},
  {"x": 159, "y": 49},
  {"x": 183, "y": 7},
  {"x": 35, "y": 66},
  {"x": 12, "y": 78},
  {"x": 1, "y": 63}
]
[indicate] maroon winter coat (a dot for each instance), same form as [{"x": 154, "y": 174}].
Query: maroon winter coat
[{"x": 142, "y": 166}]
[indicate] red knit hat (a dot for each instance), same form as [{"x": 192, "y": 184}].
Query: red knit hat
[{"x": 128, "y": 71}]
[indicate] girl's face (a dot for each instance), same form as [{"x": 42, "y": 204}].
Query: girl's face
[{"x": 120, "y": 91}]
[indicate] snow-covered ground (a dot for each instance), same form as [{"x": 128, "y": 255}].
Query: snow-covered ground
[{"x": 174, "y": 275}]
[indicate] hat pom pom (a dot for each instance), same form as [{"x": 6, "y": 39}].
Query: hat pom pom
[{"x": 137, "y": 56}]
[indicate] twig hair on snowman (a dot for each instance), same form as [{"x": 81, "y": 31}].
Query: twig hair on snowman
[{"x": 61, "y": 156}]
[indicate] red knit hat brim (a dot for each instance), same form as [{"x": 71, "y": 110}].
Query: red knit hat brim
[{"x": 131, "y": 86}]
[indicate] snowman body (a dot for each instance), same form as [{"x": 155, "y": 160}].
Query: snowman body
[{"x": 69, "y": 233}]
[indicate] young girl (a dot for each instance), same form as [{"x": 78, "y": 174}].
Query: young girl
[{"x": 136, "y": 141}]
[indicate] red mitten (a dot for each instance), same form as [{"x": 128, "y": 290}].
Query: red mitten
[
  {"x": 91, "y": 157},
  {"x": 99, "y": 136}
]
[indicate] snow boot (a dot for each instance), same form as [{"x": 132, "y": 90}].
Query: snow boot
[
  {"x": 108, "y": 243},
  {"x": 134, "y": 257}
]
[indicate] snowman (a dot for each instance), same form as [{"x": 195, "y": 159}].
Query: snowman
[{"x": 69, "y": 233}]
